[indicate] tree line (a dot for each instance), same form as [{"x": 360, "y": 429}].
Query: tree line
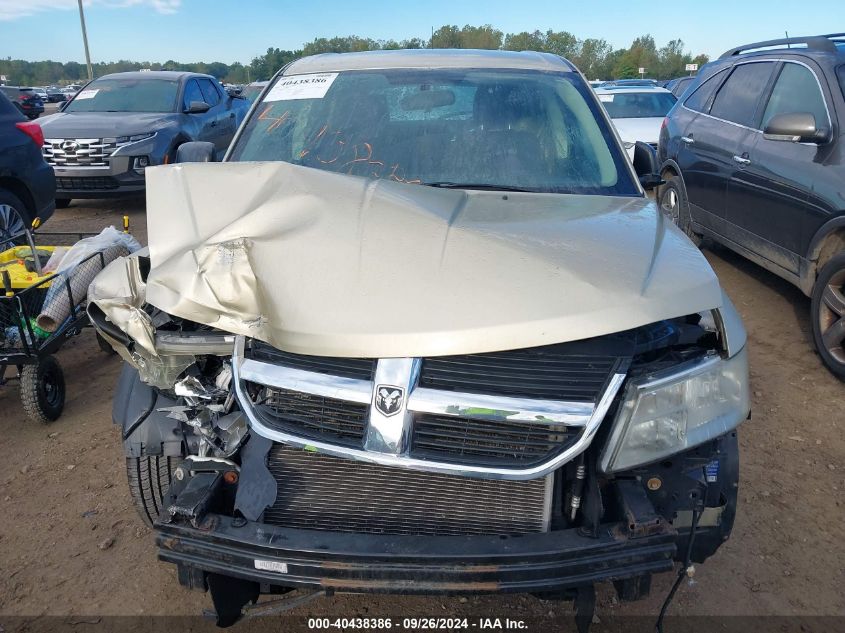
[{"x": 596, "y": 58}]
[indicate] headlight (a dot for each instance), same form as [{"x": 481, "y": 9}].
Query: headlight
[{"x": 668, "y": 413}]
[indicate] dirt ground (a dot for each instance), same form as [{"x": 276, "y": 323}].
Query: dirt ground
[{"x": 71, "y": 543}]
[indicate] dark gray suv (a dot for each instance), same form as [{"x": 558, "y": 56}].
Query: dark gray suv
[
  {"x": 117, "y": 125},
  {"x": 754, "y": 158}
]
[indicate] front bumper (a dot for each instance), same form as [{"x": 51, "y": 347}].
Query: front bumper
[
  {"x": 107, "y": 182},
  {"x": 365, "y": 563}
]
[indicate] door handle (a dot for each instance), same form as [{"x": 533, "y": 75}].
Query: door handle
[
  {"x": 689, "y": 140},
  {"x": 742, "y": 160}
]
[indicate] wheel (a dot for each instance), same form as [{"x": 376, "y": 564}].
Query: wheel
[
  {"x": 13, "y": 218},
  {"x": 828, "y": 315},
  {"x": 673, "y": 203},
  {"x": 43, "y": 390},
  {"x": 62, "y": 203},
  {"x": 149, "y": 480}
]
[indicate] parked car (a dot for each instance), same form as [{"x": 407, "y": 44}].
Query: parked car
[
  {"x": 251, "y": 91},
  {"x": 754, "y": 158},
  {"x": 102, "y": 141},
  {"x": 566, "y": 415},
  {"x": 637, "y": 112},
  {"x": 27, "y": 185},
  {"x": 55, "y": 94},
  {"x": 679, "y": 85},
  {"x": 640, "y": 83},
  {"x": 25, "y": 99},
  {"x": 42, "y": 94}
]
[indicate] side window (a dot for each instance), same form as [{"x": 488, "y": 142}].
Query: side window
[
  {"x": 211, "y": 94},
  {"x": 738, "y": 97},
  {"x": 698, "y": 99},
  {"x": 192, "y": 93},
  {"x": 796, "y": 90}
]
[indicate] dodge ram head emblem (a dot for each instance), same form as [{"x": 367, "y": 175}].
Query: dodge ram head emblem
[{"x": 389, "y": 399}]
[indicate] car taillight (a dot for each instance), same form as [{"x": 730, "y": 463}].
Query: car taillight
[{"x": 32, "y": 130}]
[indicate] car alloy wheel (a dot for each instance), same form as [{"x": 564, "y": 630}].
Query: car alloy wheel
[
  {"x": 11, "y": 223},
  {"x": 831, "y": 316}
]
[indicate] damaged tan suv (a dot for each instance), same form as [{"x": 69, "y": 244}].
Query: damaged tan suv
[{"x": 421, "y": 331}]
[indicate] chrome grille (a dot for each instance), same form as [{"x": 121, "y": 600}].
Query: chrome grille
[
  {"x": 80, "y": 152},
  {"x": 475, "y": 416},
  {"x": 319, "y": 492}
]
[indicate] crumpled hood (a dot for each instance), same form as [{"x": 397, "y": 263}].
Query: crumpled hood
[
  {"x": 327, "y": 264},
  {"x": 103, "y": 124}
]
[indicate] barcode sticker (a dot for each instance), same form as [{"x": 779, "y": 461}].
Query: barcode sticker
[
  {"x": 271, "y": 565},
  {"x": 88, "y": 94}
]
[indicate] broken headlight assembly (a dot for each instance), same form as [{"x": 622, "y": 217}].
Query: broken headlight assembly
[{"x": 669, "y": 412}]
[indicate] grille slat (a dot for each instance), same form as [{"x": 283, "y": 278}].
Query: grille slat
[
  {"x": 316, "y": 417},
  {"x": 459, "y": 440},
  {"x": 320, "y": 492},
  {"x": 551, "y": 373},
  {"x": 361, "y": 368},
  {"x": 87, "y": 184}
]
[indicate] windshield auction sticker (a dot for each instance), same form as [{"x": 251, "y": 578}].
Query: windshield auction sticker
[
  {"x": 313, "y": 86},
  {"x": 87, "y": 94}
]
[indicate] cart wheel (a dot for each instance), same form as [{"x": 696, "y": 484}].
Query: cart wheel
[
  {"x": 104, "y": 345},
  {"x": 43, "y": 390}
]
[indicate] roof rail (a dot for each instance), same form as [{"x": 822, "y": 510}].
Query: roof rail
[{"x": 813, "y": 42}]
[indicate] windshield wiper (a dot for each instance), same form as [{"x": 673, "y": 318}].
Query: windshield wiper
[{"x": 445, "y": 184}]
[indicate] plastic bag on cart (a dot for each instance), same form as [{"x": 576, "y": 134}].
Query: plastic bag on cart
[
  {"x": 76, "y": 272},
  {"x": 87, "y": 246}
]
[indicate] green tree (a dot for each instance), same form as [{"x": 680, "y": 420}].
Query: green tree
[{"x": 591, "y": 58}]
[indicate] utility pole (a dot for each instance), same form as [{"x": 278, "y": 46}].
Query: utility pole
[{"x": 85, "y": 41}]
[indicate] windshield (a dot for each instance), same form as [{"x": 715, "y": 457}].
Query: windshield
[
  {"x": 126, "y": 95},
  {"x": 525, "y": 130},
  {"x": 637, "y": 105}
]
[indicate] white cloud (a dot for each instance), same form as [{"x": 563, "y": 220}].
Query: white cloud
[{"x": 13, "y": 9}]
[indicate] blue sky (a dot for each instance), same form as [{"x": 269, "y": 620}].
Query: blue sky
[{"x": 227, "y": 30}]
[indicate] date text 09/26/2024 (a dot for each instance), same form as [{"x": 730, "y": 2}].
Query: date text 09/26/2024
[{"x": 417, "y": 624}]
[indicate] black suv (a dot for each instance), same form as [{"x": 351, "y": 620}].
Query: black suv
[
  {"x": 754, "y": 158},
  {"x": 26, "y": 100},
  {"x": 27, "y": 184}
]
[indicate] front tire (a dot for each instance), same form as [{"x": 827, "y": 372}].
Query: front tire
[
  {"x": 149, "y": 482},
  {"x": 43, "y": 390},
  {"x": 674, "y": 204},
  {"x": 827, "y": 312}
]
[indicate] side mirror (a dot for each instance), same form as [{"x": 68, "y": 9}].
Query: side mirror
[
  {"x": 795, "y": 127},
  {"x": 197, "y": 107},
  {"x": 645, "y": 165},
  {"x": 195, "y": 152}
]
